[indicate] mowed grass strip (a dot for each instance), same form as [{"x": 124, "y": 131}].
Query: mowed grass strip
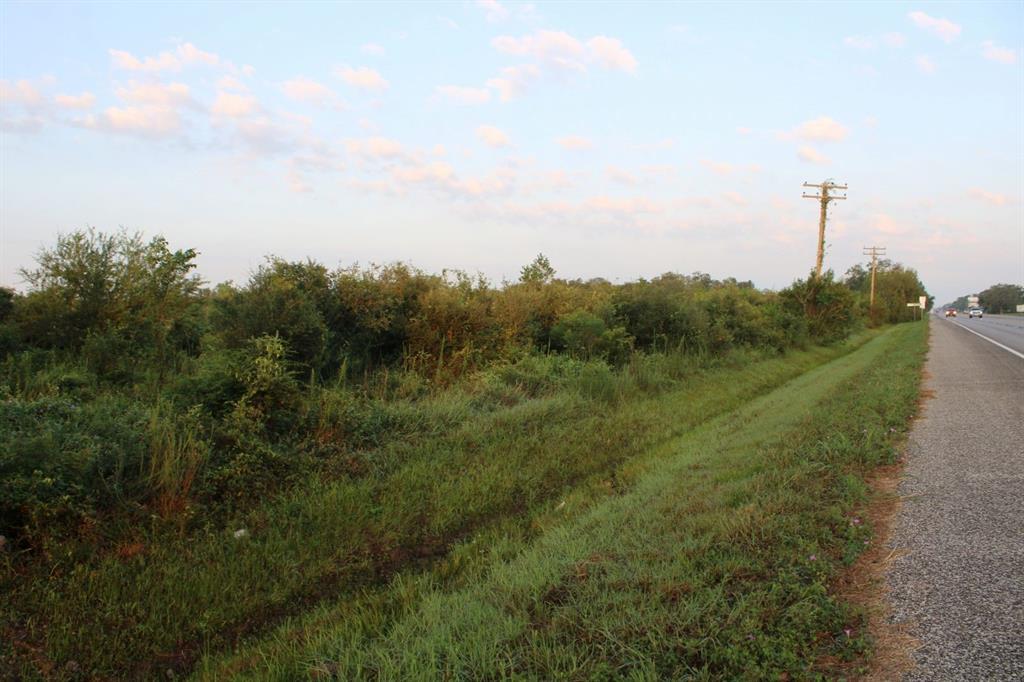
[
  {"x": 714, "y": 565},
  {"x": 178, "y": 597}
]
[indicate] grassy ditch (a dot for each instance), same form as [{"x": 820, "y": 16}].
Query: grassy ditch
[
  {"x": 166, "y": 597},
  {"x": 715, "y": 563}
]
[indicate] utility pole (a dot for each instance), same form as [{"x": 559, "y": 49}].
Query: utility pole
[
  {"x": 874, "y": 252},
  {"x": 825, "y": 197}
]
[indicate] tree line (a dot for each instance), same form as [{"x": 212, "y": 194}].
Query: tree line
[{"x": 998, "y": 299}]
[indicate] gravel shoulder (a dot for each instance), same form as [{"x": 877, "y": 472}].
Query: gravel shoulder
[{"x": 958, "y": 577}]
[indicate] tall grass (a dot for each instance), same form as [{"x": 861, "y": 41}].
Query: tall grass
[
  {"x": 438, "y": 471},
  {"x": 177, "y": 450},
  {"x": 715, "y": 565}
]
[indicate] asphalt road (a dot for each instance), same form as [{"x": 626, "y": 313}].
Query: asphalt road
[
  {"x": 958, "y": 575},
  {"x": 1006, "y": 329}
]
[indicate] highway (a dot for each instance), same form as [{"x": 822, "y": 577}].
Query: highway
[
  {"x": 1005, "y": 329},
  {"x": 958, "y": 538}
]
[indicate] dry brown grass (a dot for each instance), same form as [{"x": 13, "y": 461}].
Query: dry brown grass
[{"x": 864, "y": 584}]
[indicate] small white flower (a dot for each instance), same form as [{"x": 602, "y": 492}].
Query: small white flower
[{"x": 241, "y": 533}]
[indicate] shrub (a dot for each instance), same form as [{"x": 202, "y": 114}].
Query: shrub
[
  {"x": 62, "y": 461},
  {"x": 827, "y": 305}
]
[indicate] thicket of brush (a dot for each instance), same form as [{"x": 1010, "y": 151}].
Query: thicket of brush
[{"x": 128, "y": 388}]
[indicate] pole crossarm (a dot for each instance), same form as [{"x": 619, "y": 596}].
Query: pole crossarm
[{"x": 824, "y": 197}]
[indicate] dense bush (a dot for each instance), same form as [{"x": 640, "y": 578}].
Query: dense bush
[
  {"x": 61, "y": 461},
  {"x": 827, "y": 306},
  {"x": 123, "y": 382}
]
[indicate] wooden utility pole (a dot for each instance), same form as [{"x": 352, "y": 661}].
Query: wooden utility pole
[
  {"x": 874, "y": 252},
  {"x": 825, "y": 188}
]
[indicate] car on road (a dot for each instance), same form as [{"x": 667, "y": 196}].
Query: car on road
[
  {"x": 950, "y": 313},
  {"x": 974, "y": 312}
]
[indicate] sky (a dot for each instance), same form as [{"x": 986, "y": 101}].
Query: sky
[{"x": 622, "y": 140}]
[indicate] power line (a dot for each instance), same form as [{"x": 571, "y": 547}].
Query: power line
[{"x": 825, "y": 197}]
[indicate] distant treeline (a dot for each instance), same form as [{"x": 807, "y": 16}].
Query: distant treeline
[
  {"x": 124, "y": 378},
  {"x": 997, "y": 299}
]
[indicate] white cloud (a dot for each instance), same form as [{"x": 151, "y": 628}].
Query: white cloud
[
  {"x": 623, "y": 206},
  {"x": 264, "y": 136},
  {"x": 166, "y": 61},
  {"x": 232, "y": 105},
  {"x": 436, "y": 172},
  {"x": 151, "y": 121},
  {"x": 558, "y": 50},
  {"x": 924, "y": 63},
  {"x": 989, "y": 197},
  {"x": 190, "y": 54},
  {"x": 610, "y": 54},
  {"x": 575, "y": 143},
  {"x": 157, "y": 94},
  {"x": 496, "y": 12},
  {"x": 557, "y": 53},
  {"x": 735, "y": 198},
  {"x": 620, "y": 175},
  {"x": 362, "y": 77},
  {"x": 886, "y": 224},
  {"x": 871, "y": 42},
  {"x": 717, "y": 167},
  {"x": 1003, "y": 55},
  {"x": 186, "y": 54},
  {"x": 303, "y": 89},
  {"x": 231, "y": 83},
  {"x": 372, "y": 48},
  {"x": 22, "y": 92},
  {"x": 552, "y": 48},
  {"x": 297, "y": 183},
  {"x": 894, "y": 39},
  {"x": 492, "y": 137},
  {"x": 375, "y": 148},
  {"x": 514, "y": 80},
  {"x": 463, "y": 95},
  {"x": 811, "y": 155},
  {"x": 83, "y": 101},
  {"x": 943, "y": 29},
  {"x": 859, "y": 42},
  {"x": 823, "y": 129}
]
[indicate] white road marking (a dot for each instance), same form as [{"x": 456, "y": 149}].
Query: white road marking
[{"x": 1019, "y": 355}]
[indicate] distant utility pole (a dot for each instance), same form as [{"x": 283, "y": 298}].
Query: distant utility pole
[
  {"x": 825, "y": 197},
  {"x": 874, "y": 252}
]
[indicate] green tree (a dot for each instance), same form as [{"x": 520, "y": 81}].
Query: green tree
[
  {"x": 125, "y": 294},
  {"x": 1001, "y": 298},
  {"x": 537, "y": 272}
]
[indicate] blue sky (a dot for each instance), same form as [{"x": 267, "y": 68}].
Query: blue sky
[{"x": 622, "y": 139}]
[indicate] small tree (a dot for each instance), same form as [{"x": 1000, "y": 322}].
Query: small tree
[
  {"x": 537, "y": 272},
  {"x": 116, "y": 288}
]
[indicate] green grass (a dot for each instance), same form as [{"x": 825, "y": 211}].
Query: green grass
[
  {"x": 713, "y": 564},
  {"x": 481, "y": 477}
]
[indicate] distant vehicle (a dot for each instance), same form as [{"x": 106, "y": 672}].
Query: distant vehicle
[
  {"x": 950, "y": 312},
  {"x": 974, "y": 312}
]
